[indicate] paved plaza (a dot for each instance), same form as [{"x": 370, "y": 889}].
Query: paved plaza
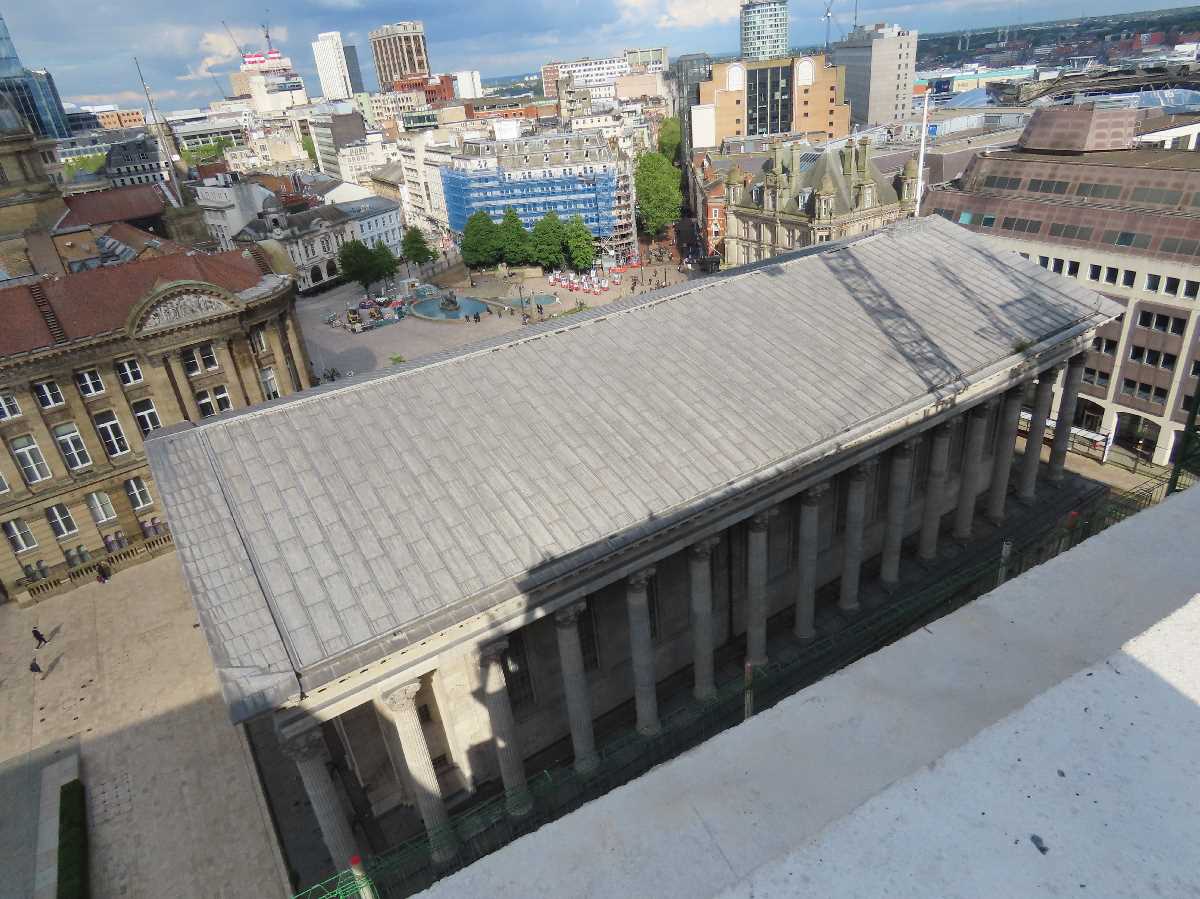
[{"x": 173, "y": 803}]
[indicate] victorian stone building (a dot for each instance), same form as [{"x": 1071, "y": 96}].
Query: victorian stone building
[
  {"x": 90, "y": 364},
  {"x": 432, "y": 609},
  {"x": 803, "y": 195}
]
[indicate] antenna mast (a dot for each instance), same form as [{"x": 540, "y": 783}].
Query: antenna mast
[
  {"x": 164, "y": 130},
  {"x": 267, "y": 29},
  {"x": 828, "y": 18}
]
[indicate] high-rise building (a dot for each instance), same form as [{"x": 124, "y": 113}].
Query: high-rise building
[
  {"x": 467, "y": 85},
  {"x": 330, "y": 56},
  {"x": 31, "y": 91},
  {"x": 764, "y": 29},
  {"x": 399, "y": 51},
  {"x": 880, "y": 62},
  {"x": 353, "y": 69}
]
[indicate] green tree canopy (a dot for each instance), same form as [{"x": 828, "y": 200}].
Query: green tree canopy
[
  {"x": 480, "y": 241},
  {"x": 358, "y": 262},
  {"x": 669, "y": 138},
  {"x": 546, "y": 241},
  {"x": 581, "y": 246},
  {"x": 310, "y": 148},
  {"x": 415, "y": 247},
  {"x": 386, "y": 263},
  {"x": 659, "y": 198},
  {"x": 514, "y": 240}
]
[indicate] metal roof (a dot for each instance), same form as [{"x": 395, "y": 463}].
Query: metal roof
[{"x": 322, "y": 530}]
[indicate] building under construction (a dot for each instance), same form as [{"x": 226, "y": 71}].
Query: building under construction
[{"x": 568, "y": 174}]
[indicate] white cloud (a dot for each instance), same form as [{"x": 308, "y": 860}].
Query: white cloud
[
  {"x": 219, "y": 48},
  {"x": 678, "y": 13}
]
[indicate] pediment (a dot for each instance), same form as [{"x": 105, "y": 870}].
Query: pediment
[{"x": 182, "y": 308}]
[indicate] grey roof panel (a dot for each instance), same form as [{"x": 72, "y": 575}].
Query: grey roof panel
[{"x": 374, "y": 509}]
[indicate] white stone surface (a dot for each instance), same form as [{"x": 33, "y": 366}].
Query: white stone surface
[{"x": 769, "y": 808}]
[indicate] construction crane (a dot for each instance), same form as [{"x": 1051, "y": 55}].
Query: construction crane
[
  {"x": 267, "y": 29},
  {"x": 229, "y": 31},
  {"x": 828, "y": 20}
]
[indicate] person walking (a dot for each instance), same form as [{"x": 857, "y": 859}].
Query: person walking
[
  {"x": 40, "y": 638},
  {"x": 35, "y": 668}
]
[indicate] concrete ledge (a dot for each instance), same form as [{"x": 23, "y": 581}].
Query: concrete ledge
[{"x": 45, "y": 879}]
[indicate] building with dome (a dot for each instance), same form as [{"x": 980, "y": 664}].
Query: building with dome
[{"x": 803, "y": 195}]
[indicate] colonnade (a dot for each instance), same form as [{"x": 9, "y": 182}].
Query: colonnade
[{"x": 400, "y": 709}]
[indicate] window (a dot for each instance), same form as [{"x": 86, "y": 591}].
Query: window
[
  {"x": 1157, "y": 195},
  {"x": 1105, "y": 345},
  {"x": 1102, "y": 378},
  {"x": 1181, "y": 245},
  {"x": 988, "y": 221},
  {"x": 1153, "y": 357},
  {"x": 111, "y": 434},
  {"x": 199, "y": 358},
  {"x": 1126, "y": 239},
  {"x": 1128, "y": 386},
  {"x": 30, "y": 458},
  {"x": 1095, "y": 376},
  {"x": 147, "y": 416},
  {"x": 1168, "y": 361},
  {"x": 1037, "y": 185},
  {"x": 47, "y": 393},
  {"x": 1027, "y": 226},
  {"x": 89, "y": 381},
  {"x": 1044, "y": 261},
  {"x": 61, "y": 521},
  {"x": 70, "y": 443},
  {"x": 1178, "y": 325},
  {"x": 517, "y": 674},
  {"x": 1128, "y": 278},
  {"x": 9, "y": 408},
  {"x": 101, "y": 506},
  {"x": 20, "y": 538},
  {"x": 210, "y": 402},
  {"x": 270, "y": 387},
  {"x": 139, "y": 495},
  {"x": 1110, "y": 275},
  {"x": 1145, "y": 319},
  {"x": 1160, "y": 396},
  {"x": 129, "y": 371},
  {"x": 1153, "y": 283},
  {"x": 1098, "y": 191},
  {"x": 1072, "y": 232},
  {"x": 1136, "y": 353},
  {"x": 1195, "y": 373},
  {"x": 1002, "y": 183},
  {"x": 1171, "y": 287},
  {"x": 1094, "y": 272},
  {"x": 258, "y": 338},
  {"x": 1059, "y": 264},
  {"x": 1073, "y": 268}
]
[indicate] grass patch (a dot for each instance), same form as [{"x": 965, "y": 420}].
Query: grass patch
[
  {"x": 397, "y": 359},
  {"x": 73, "y": 882}
]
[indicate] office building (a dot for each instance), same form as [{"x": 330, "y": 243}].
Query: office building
[
  {"x": 880, "y": 63},
  {"x": 332, "y": 67},
  {"x": 399, "y": 52},
  {"x": 331, "y": 132},
  {"x": 1079, "y": 197},
  {"x": 587, "y": 72},
  {"x": 91, "y": 363},
  {"x": 229, "y": 204},
  {"x": 801, "y": 96},
  {"x": 140, "y": 161},
  {"x": 31, "y": 91},
  {"x": 353, "y": 69},
  {"x": 444, "y": 627},
  {"x": 764, "y": 29},
  {"x": 649, "y": 60},
  {"x": 467, "y": 85}
]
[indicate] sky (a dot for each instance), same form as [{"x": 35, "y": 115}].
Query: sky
[{"x": 89, "y": 46}]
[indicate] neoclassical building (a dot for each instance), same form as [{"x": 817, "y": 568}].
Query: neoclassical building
[
  {"x": 478, "y": 573},
  {"x": 92, "y": 363},
  {"x": 804, "y": 195}
]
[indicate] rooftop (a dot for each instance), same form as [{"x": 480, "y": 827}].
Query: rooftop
[
  {"x": 1152, "y": 158},
  {"x": 676, "y": 399},
  {"x": 367, "y": 207},
  {"x": 1053, "y": 713},
  {"x": 119, "y": 204}
]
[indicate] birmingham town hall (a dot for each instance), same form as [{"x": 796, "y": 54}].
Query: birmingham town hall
[{"x": 437, "y": 571}]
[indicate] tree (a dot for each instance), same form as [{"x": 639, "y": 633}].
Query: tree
[
  {"x": 386, "y": 263},
  {"x": 76, "y": 164},
  {"x": 513, "y": 239},
  {"x": 207, "y": 152},
  {"x": 480, "y": 243},
  {"x": 669, "y": 138},
  {"x": 581, "y": 246},
  {"x": 310, "y": 148},
  {"x": 659, "y": 198},
  {"x": 415, "y": 247},
  {"x": 358, "y": 262},
  {"x": 546, "y": 241}
]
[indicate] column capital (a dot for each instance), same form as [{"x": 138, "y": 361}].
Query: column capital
[
  {"x": 1077, "y": 360},
  {"x": 760, "y": 520},
  {"x": 493, "y": 651},
  {"x": 639, "y": 579},
  {"x": 813, "y": 494},
  {"x": 984, "y": 408},
  {"x": 863, "y": 469},
  {"x": 1049, "y": 374},
  {"x": 402, "y": 698},
  {"x": 906, "y": 449},
  {"x": 308, "y": 744},
  {"x": 703, "y": 549},
  {"x": 566, "y": 616}
]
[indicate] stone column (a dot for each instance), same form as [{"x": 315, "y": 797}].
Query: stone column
[
  {"x": 575, "y": 687},
  {"x": 239, "y": 365},
  {"x": 972, "y": 468},
  {"x": 756, "y": 590},
  {"x": 1042, "y": 400},
  {"x": 308, "y": 751},
  {"x": 897, "y": 509},
  {"x": 299, "y": 353},
  {"x": 641, "y": 645},
  {"x": 187, "y": 396},
  {"x": 504, "y": 729},
  {"x": 806, "y": 592},
  {"x": 1066, "y": 416},
  {"x": 700, "y": 576},
  {"x": 935, "y": 490},
  {"x": 286, "y": 358},
  {"x": 401, "y": 704},
  {"x": 856, "y": 509},
  {"x": 1006, "y": 445},
  {"x": 279, "y": 362}
]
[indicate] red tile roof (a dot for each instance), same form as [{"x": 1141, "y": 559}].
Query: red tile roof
[
  {"x": 121, "y": 204},
  {"x": 100, "y": 300}
]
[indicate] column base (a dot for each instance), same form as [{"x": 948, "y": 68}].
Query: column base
[
  {"x": 805, "y": 635},
  {"x": 587, "y": 764},
  {"x": 650, "y": 730},
  {"x": 704, "y": 694},
  {"x": 1026, "y": 500},
  {"x": 849, "y": 608},
  {"x": 518, "y": 803}
]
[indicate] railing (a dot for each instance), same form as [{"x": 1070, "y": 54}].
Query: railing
[
  {"x": 488, "y": 826},
  {"x": 64, "y": 577}
]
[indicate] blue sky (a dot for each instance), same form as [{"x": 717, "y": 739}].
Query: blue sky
[{"x": 89, "y": 46}]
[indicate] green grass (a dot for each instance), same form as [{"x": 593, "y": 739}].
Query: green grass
[{"x": 72, "y": 842}]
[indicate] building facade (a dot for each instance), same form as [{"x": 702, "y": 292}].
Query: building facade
[
  {"x": 399, "y": 51},
  {"x": 356, "y": 161},
  {"x": 309, "y": 240},
  {"x": 803, "y": 96},
  {"x": 804, "y": 196},
  {"x": 120, "y": 118},
  {"x": 331, "y": 132},
  {"x": 333, "y": 69},
  {"x": 377, "y": 220},
  {"x": 764, "y": 29},
  {"x": 880, "y": 63},
  {"x": 467, "y": 84},
  {"x": 31, "y": 92},
  {"x": 138, "y": 161},
  {"x": 1078, "y": 197},
  {"x": 229, "y": 204},
  {"x": 90, "y": 364},
  {"x": 439, "y": 635}
]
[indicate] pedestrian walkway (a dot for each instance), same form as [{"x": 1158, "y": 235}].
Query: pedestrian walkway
[{"x": 173, "y": 802}]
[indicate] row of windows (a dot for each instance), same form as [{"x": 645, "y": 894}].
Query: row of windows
[
  {"x": 1001, "y": 183},
  {"x": 49, "y": 395},
  {"x": 1157, "y": 195},
  {"x": 1096, "y": 376},
  {"x": 62, "y": 522},
  {"x": 1126, "y": 239},
  {"x": 1099, "y": 191},
  {"x": 1160, "y": 321},
  {"x": 1038, "y": 185},
  {"x": 1071, "y": 232},
  {"x": 1027, "y": 226},
  {"x": 1156, "y": 395},
  {"x": 1156, "y": 358}
]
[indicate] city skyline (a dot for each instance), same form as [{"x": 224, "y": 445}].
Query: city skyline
[{"x": 189, "y": 47}]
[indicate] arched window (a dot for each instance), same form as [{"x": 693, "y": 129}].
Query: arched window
[
  {"x": 330, "y": 269},
  {"x": 315, "y": 274}
]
